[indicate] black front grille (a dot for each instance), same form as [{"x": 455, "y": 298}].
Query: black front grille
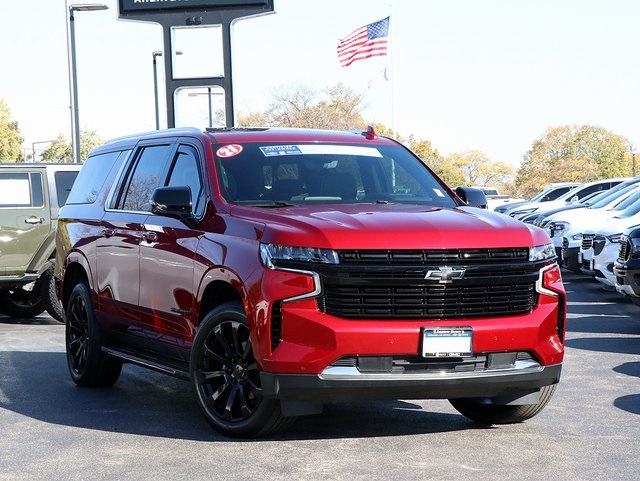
[
  {"x": 565, "y": 243},
  {"x": 625, "y": 250},
  {"x": 430, "y": 284},
  {"x": 587, "y": 241},
  {"x": 599, "y": 242}
]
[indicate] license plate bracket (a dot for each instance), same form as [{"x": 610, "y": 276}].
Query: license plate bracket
[{"x": 447, "y": 342}]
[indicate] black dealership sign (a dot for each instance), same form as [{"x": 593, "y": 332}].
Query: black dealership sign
[{"x": 140, "y": 6}]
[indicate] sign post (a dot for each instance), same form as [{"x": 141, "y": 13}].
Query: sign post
[{"x": 193, "y": 13}]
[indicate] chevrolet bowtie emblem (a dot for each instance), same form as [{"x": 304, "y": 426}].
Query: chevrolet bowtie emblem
[{"x": 445, "y": 274}]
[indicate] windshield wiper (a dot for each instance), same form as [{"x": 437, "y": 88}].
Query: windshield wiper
[{"x": 276, "y": 204}]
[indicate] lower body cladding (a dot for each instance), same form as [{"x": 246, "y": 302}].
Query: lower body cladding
[
  {"x": 302, "y": 394},
  {"x": 628, "y": 279}
]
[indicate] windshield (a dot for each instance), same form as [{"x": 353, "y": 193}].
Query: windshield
[
  {"x": 278, "y": 175},
  {"x": 607, "y": 197},
  {"x": 630, "y": 211}
]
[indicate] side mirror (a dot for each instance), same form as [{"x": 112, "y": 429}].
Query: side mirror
[
  {"x": 173, "y": 202},
  {"x": 472, "y": 196}
]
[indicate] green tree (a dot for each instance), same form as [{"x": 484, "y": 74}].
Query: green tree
[
  {"x": 60, "y": 150},
  {"x": 10, "y": 138},
  {"x": 573, "y": 153}
]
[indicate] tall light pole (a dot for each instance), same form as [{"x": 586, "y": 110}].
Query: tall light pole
[
  {"x": 73, "y": 78},
  {"x": 155, "y": 55}
]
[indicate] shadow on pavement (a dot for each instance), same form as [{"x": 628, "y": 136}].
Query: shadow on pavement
[{"x": 142, "y": 402}]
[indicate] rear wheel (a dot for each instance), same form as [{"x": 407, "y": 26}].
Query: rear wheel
[
  {"x": 48, "y": 295},
  {"x": 22, "y": 302},
  {"x": 88, "y": 365},
  {"x": 486, "y": 413},
  {"x": 226, "y": 379}
]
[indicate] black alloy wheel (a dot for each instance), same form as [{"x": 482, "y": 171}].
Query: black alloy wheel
[
  {"x": 21, "y": 303},
  {"x": 226, "y": 377},
  {"x": 77, "y": 335},
  {"x": 88, "y": 365}
]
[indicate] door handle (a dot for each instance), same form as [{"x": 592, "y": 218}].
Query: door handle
[
  {"x": 34, "y": 220},
  {"x": 149, "y": 236},
  {"x": 108, "y": 232}
]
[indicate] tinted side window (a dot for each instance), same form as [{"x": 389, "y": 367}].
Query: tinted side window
[
  {"x": 186, "y": 171},
  {"x": 558, "y": 192},
  {"x": 21, "y": 189},
  {"x": 146, "y": 177},
  {"x": 91, "y": 178},
  {"x": 593, "y": 188},
  {"x": 64, "y": 182}
]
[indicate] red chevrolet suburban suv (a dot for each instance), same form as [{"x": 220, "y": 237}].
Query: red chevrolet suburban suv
[{"x": 278, "y": 270}]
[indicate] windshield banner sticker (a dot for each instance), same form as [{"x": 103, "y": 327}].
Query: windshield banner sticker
[{"x": 319, "y": 149}]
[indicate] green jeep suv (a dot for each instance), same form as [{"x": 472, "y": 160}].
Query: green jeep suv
[{"x": 30, "y": 198}]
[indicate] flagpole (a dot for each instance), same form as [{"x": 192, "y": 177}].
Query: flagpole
[{"x": 393, "y": 91}]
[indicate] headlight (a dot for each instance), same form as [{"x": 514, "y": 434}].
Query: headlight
[
  {"x": 270, "y": 254},
  {"x": 541, "y": 253},
  {"x": 577, "y": 236},
  {"x": 635, "y": 245},
  {"x": 615, "y": 238}
]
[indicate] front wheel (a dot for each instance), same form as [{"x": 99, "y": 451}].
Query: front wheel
[
  {"x": 487, "y": 413},
  {"x": 88, "y": 365},
  {"x": 226, "y": 379},
  {"x": 22, "y": 302}
]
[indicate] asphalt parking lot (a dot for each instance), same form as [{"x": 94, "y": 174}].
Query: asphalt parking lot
[{"x": 148, "y": 425}]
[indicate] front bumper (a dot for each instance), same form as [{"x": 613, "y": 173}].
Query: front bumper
[
  {"x": 337, "y": 384},
  {"x": 628, "y": 278},
  {"x": 603, "y": 264}
]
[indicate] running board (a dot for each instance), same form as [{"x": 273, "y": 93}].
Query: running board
[{"x": 146, "y": 362}]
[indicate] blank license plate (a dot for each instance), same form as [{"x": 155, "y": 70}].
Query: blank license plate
[{"x": 447, "y": 342}]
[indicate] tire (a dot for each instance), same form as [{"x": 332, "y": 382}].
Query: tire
[
  {"x": 21, "y": 303},
  {"x": 48, "y": 295},
  {"x": 88, "y": 365},
  {"x": 484, "y": 413},
  {"x": 226, "y": 379}
]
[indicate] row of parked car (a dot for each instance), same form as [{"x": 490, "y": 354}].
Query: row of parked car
[{"x": 595, "y": 228}]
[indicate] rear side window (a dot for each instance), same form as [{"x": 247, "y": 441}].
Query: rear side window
[
  {"x": 64, "y": 182},
  {"x": 21, "y": 189},
  {"x": 91, "y": 178},
  {"x": 147, "y": 175}
]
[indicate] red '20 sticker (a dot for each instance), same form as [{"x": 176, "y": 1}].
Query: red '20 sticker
[{"x": 229, "y": 150}]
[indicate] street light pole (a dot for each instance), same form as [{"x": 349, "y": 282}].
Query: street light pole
[
  {"x": 73, "y": 75},
  {"x": 155, "y": 55}
]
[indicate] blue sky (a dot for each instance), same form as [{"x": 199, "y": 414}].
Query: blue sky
[{"x": 490, "y": 75}]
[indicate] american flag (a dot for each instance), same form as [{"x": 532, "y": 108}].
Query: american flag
[{"x": 364, "y": 42}]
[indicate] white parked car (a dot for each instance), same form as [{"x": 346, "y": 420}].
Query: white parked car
[
  {"x": 566, "y": 227},
  {"x": 549, "y": 193},
  {"x": 568, "y": 198},
  {"x": 601, "y": 245}
]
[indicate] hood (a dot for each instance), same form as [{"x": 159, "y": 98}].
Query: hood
[
  {"x": 399, "y": 226},
  {"x": 614, "y": 225}
]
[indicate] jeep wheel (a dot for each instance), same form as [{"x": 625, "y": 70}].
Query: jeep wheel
[
  {"x": 48, "y": 295},
  {"x": 487, "y": 413},
  {"x": 226, "y": 379},
  {"x": 21, "y": 303},
  {"x": 88, "y": 365}
]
